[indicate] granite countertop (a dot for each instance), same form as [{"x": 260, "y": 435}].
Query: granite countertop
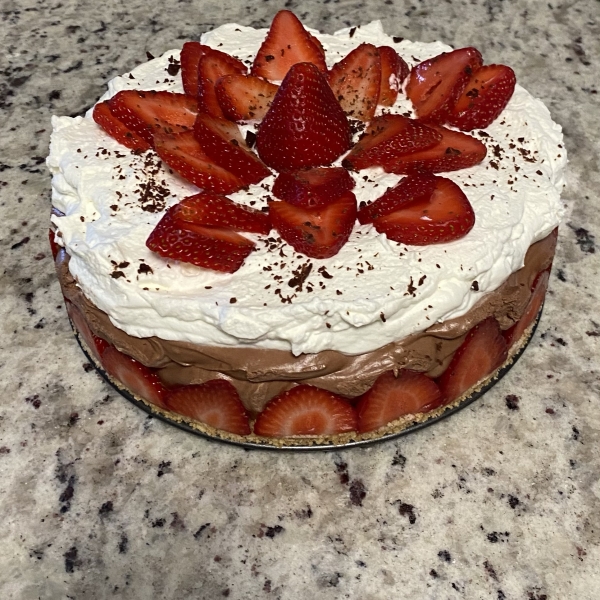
[{"x": 500, "y": 501}]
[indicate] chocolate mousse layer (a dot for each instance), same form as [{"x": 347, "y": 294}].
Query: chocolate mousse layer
[{"x": 259, "y": 374}]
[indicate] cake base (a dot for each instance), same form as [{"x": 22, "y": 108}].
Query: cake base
[{"x": 403, "y": 426}]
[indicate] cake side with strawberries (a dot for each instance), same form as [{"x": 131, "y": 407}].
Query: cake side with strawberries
[{"x": 339, "y": 317}]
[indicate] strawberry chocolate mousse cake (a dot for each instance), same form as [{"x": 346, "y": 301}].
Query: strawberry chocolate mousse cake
[{"x": 286, "y": 238}]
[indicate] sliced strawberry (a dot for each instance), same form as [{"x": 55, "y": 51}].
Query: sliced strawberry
[
  {"x": 305, "y": 126},
  {"x": 394, "y": 71},
  {"x": 191, "y": 53},
  {"x": 356, "y": 80},
  {"x": 117, "y": 129},
  {"x": 96, "y": 345},
  {"x": 306, "y": 410},
  {"x": 412, "y": 190},
  {"x": 147, "y": 113},
  {"x": 532, "y": 309},
  {"x": 134, "y": 376},
  {"x": 393, "y": 396},
  {"x": 446, "y": 215},
  {"x": 216, "y": 248},
  {"x": 485, "y": 96},
  {"x": 482, "y": 352},
  {"x": 183, "y": 154},
  {"x": 215, "y": 403},
  {"x": 317, "y": 232},
  {"x": 208, "y": 208},
  {"x": 313, "y": 187},
  {"x": 453, "y": 152},
  {"x": 222, "y": 142},
  {"x": 315, "y": 40},
  {"x": 286, "y": 44},
  {"x": 387, "y": 138},
  {"x": 213, "y": 65},
  {"x": 244, "y": 97},
  {"x": 436, "y": 84}
]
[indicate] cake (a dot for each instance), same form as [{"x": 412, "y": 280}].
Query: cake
[{"x": 271, "y": 345}]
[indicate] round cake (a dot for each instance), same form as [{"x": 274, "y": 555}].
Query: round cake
[{"x": 274, "y": 338}]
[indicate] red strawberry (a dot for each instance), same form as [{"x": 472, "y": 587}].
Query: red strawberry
[
  {"x": 482, "y": 352},
  {"x": 394, "y": 71},
  {"x": 244, "y": 97},
  {"x": 286, "y": 44},
  {"x": 306, "y": 410},
  {"x": 305, "y": 126},
  {"x": 486, "y": 95},
  {"x": 446, "y": 215},
  {"x": 532, "y": 309},
  {"x": 134, "y": 376},
  {"x": 96, "y": 345},
  {"x": 317, "y": 232},
  {"x": 183, "y": 154},
  {"x": 208, "y": 208},
  {"x": 222, "y": 142},
  {"x": 117, "y": 129},
  {"x": 216, "y": 248},
  {"x": 314, "y": 187},
  {"x": 356, "y": 80},
  {"x": 387, "y": 138},
  {"x": 415, "y": 189},
  {"x": 215, "y": 403},
  {"x": 436, "y": 84},
  {"x": 453, "y": 152},
  {"x": 191, "y": 53},
  {"x": 212, "y": 66},
  {"x": 147, "y": 113},
  {"x": 315, "y": 40},
  {"x": 393, "y": 396}
]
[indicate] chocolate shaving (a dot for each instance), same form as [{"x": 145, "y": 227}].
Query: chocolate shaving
[{"x": 300, "y": 276}]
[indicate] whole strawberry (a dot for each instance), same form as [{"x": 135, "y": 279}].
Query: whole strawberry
[{"x": 305, "y": 126}]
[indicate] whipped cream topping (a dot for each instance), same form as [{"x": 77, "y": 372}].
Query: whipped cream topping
[{"x": 374, "y": 291}]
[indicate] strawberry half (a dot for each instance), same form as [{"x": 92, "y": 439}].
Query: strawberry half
[
  {"x": 394, "y": 396},
  {"x": 183, "y": 154},
  {"x": 318, "y": 232},
  {"x": 222, "y": 142},
  {"x": 216, "y": 248},
  {"x": 305, "y": 126},
  {"x": 244, "y": 97},
  {"x": 446, "y": 215},
  {"x": 213, "y": 65},
  {"x": 436, "y": 84},
  {"x": 191, "y": 53},
  {"x": 411, "y": 190},
  {"x": 485, "y": 96},
  {"x": 482, "y": 352},
  {"x": 147, "y": 113},
  {"x": 453, "y": 152},
  {"x": 387, "y": 138},
  {"x": 117, "y": 129},
  {"x": 215, "y": 403},
  {"x": 208, "y": 208},
  {"x": 356, "y": 80},
  {"x": 286, "y": 44},
  {"x": 133, "y": 375},
  {"x": 306, "y": 410},
  {"x": 532, "y": 309},
  {"x": 96, "y": 345},
  {"x": 313, "y": 187},
  {"x": 394, "y": 71}
]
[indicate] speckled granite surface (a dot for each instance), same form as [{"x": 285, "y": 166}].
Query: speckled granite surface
[{"x": 501, "y": 501}]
